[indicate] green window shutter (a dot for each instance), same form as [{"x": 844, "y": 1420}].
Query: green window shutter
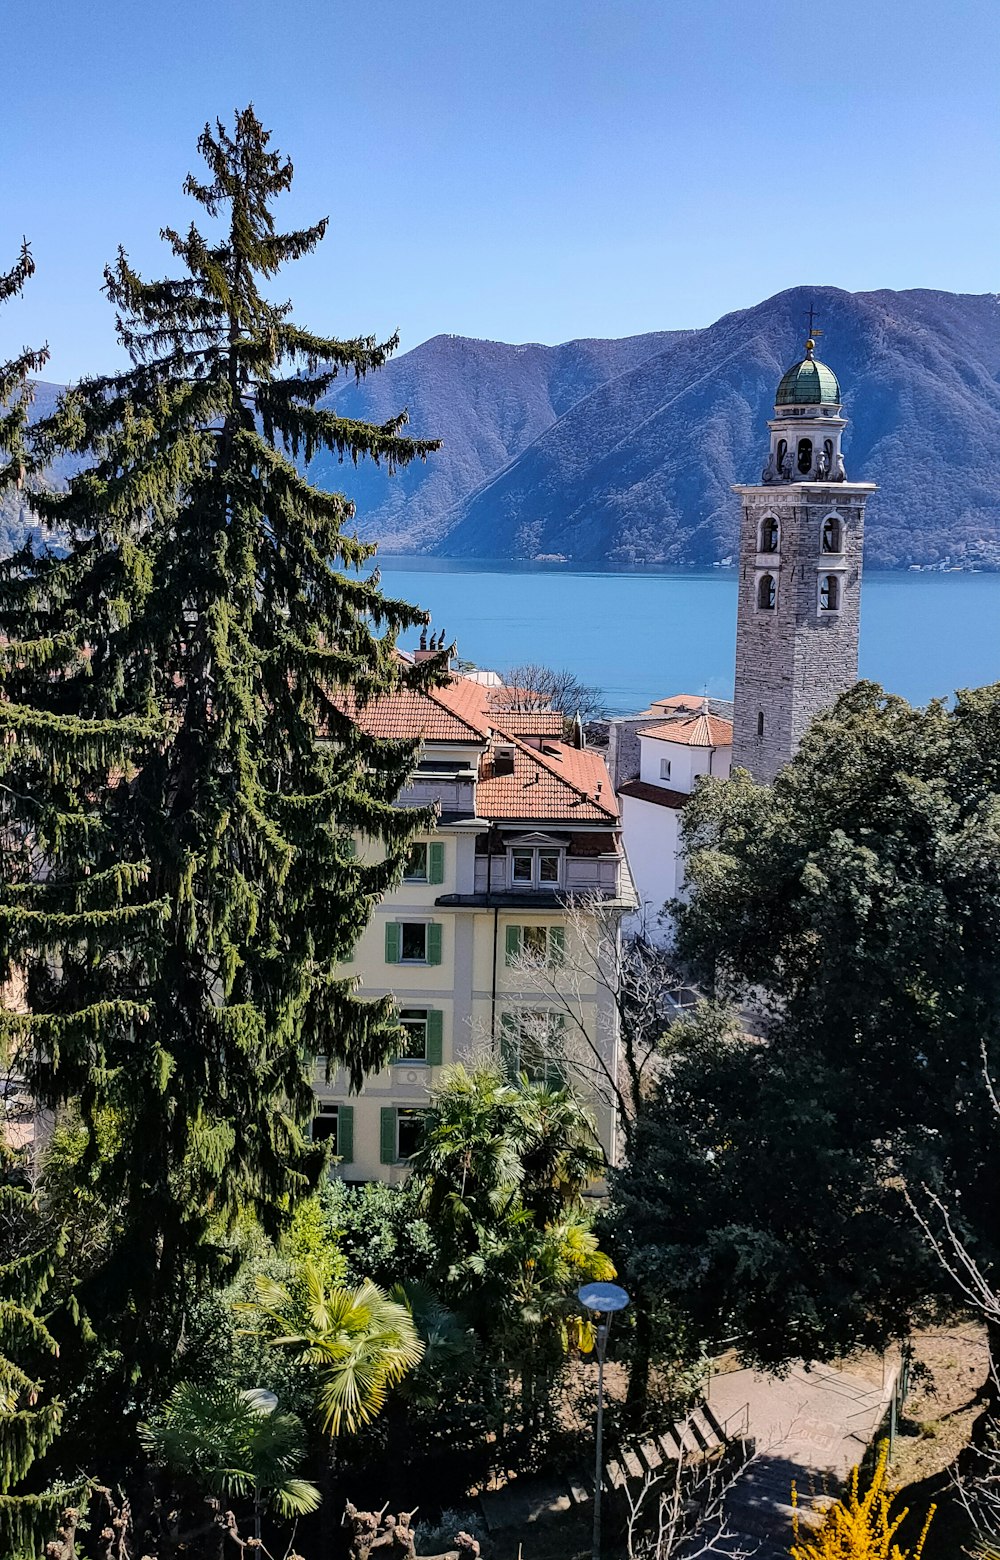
[
  {"x": 557, "y": 946},
  {"x": 435, "y": 862},
  {"x": 509, "y": 1048},
  {"x": 513, "y": 944},
  {"x": 433, "y": 942},
  {"x": 345, "y": 1133},
  {"x": 392, "y": 942},
  {"x": 388, "y": 1145},
  {"x": 435, "y": 1037}
]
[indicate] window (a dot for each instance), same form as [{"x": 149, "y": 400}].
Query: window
[
  {"x": 401, "y": 1128},
  {"x": 412, "y": 942},
  {"x": 425, "y": 863},
  {"x": 531, "y": 1041},
  {"x": 829, "y": 593},
  {"x": 542, "y": 946},
  {"x": 664, "y": 769},
  {"x": 780, "y": 457},
  {"x": 831, "y": 535},
  {"x": 424, "y": 1033},
  {"x": 767, "y": 593},
  {"x": 415, "y": 870},
  {"x": 760, "y": 723},
  {"x": 535, "y": 867},
  {"x": 805, "y": 456},
  {"x": 769, "y": 535},
  {"x": 334, "y": 1124}
]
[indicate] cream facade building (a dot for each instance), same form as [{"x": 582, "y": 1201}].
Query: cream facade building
[{"x": 488, "y": 943}]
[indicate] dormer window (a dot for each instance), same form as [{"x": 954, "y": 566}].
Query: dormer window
[
  {"x": 829, "y": 593},
  {"x": 767, "y": 593},
  {"x": 770, "y": 535},
  {"x": 831, "y": 539},
  {"x": 805, "y": 456},
  {"x": 536, "y": 867}
]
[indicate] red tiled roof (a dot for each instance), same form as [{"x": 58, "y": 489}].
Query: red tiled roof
[
  {"x": 680, "y": 701},
  {"x": 657, "y": 794},
  {"x": 549, "y": 785},
  {"x": 560, "y": 783},
  {"x": 703, "y": 731},
  {"x": 455, "y": 712},
  {"x": 529, "y": 723}
]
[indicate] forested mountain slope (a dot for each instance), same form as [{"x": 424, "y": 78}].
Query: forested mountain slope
[{"x": 624, "y": 451}]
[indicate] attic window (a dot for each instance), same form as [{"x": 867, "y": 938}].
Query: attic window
[{"x": 503, "y": 760}]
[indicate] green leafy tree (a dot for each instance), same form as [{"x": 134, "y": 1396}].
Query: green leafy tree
[
  {"x": 495, "y": 1151},
  {"x": 234, "y": 1443},
  {"x": 180, "y": 773},
  {"x": 360, "y": 1341},
  {"x": 856, "y": 902},
  {"x": 501, "y": 1169}
]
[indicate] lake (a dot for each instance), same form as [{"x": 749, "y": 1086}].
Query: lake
[{"x": 642, "y": 634}]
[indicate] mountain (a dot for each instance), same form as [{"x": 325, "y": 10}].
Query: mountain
[
  {"x": 624, "y": 451},
  {"x": 488, "y": 401},
  {"x": 636, "y": 465}
]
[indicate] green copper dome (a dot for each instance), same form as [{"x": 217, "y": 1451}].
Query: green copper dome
[{"x": 808, "y": 383}]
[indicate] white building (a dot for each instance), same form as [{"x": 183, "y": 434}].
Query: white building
[{"x": 679, "y": 743}]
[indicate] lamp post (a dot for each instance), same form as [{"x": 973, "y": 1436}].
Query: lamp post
[{"x": 602, "y": 1300}]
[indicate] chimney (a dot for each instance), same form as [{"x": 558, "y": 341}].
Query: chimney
[
  {"x": 430, "y": 649},
  {"x": 578, "y": 738}
]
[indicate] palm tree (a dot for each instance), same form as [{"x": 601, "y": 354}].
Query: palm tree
[
  {"x": 361, "y": 1341},
  {"x": 234, "y": 1443}
]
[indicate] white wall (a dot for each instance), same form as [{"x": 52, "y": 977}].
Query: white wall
[
  {"x": 651, "y": 837},
  {"x": 687, "y": 763}
]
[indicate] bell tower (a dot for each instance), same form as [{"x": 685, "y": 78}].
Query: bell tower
[{"x": 800, "y": 573}]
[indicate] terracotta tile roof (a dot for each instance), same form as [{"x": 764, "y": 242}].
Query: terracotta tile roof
[
  {"x": 703, "y": 731},
  {"x": 548, "y": 785},
  {"x": 529, "y": 723},
  {"x": 680, "y": 701},
  {"x": 455, "y": 712},
  {"x": 657, "y": 794},
  {"x": 560, "y": 783}
]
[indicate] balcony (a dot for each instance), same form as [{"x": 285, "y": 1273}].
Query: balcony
[
  {"x": 454, "y": 795},
  {"x": 583, "y": 875}
]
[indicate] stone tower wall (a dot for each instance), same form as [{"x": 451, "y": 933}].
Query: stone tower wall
[{"x": 792, "y": 662}]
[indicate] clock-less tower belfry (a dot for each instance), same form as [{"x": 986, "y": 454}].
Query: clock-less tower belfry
[{"x": 800, "y": 574}]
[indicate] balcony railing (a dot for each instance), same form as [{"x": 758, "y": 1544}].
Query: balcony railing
[
  {"x": 582, "y": 875},
  {"x": 455, "y": 796}
]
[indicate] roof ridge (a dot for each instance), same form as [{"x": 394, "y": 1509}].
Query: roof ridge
[{"x": 431, "y": 693}]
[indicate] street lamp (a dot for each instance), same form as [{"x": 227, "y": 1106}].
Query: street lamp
[{"x": 603, "y": 1300}]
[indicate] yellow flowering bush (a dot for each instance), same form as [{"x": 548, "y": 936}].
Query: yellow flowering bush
[{"x": 859, "y": 1527}]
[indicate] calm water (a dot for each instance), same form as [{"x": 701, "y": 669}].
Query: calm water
[{"x": 641, "y": 635}]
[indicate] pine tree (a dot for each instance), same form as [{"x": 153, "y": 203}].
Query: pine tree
[
  {"x": 29, "y": 1421},
  {"x": 180, "y": 785}
]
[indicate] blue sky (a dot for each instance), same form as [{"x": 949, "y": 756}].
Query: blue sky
[{"x": 522, "y": 171}]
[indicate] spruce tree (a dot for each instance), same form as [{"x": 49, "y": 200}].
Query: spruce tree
[
  {"x": 29, "y": 1419},
  {"x": 180, "y": 783}
]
